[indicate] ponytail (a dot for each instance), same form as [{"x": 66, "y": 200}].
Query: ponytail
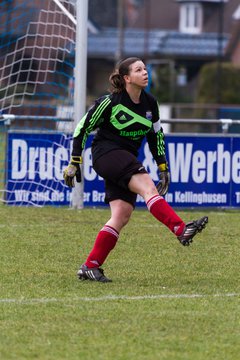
[{"x": 117, "y": 82}]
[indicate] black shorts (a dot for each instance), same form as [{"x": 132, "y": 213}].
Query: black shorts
[{"x": 117, "y": 167}]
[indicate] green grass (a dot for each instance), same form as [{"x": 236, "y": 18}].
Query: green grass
[{"x": 46, "y": 313}]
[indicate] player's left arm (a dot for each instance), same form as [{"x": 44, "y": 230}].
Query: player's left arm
[{"x": 156, "y": 142}]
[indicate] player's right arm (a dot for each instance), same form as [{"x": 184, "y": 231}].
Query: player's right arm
[
  {"x": 90, "y": 122},
  {"x": 96, "y": 114}
]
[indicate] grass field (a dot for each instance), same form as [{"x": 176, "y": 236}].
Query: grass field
[{"x": 165, "y": 302}]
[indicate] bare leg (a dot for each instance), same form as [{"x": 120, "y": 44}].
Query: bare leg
[
  {"x": 142, "y": 184},
  {"x": 121, "y": 212}
]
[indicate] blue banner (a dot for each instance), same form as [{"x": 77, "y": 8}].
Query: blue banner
[
  {"x": 205, "y": 171},
  {"x": 35, "y": 169}
]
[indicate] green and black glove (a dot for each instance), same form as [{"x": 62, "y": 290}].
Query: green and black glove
[
  {"x": 164, "y": 179},
  {"x": 72, "y": 170}
]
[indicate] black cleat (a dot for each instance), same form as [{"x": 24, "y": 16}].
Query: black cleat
[
  {"x": 94, "y": 274},
  {"x": 191, "y": 229}
]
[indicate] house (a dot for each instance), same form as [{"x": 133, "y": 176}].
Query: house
[
  {"x": 232, "y": 50},
  {"x": 184, "y": 34},
  {"x": 181, "y": 35}
]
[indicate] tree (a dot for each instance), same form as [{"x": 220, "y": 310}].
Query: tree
[{"x": 219, "y": 83}]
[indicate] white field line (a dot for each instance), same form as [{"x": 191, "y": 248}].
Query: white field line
[{"x": 25, "y": 301}]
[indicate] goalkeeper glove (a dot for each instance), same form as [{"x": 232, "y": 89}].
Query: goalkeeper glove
[
  {"x": 72, "y": 170},
  {"x": 164, "y": 175}
]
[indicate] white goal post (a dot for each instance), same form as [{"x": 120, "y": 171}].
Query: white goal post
[{"x": 80, "y": 83}]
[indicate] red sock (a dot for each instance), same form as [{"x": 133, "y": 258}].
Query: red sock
[
  {"x": 104, "y": 243},
  {"x": 163, "y": 212}
]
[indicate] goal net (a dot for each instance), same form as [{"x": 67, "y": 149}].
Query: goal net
[{"x": 37, "y": 55}]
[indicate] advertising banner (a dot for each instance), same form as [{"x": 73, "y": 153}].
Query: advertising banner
[
  {"x": 35, "y": 169},
  {"x": 205, "y": 171}
]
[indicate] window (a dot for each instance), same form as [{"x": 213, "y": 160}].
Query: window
[{"x": 191, "y": 18}]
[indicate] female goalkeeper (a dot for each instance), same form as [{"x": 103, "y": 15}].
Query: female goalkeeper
[{"x": 122, "y": 119}]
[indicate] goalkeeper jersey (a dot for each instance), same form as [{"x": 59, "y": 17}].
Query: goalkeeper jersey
[{"x": 121, "y": 124}]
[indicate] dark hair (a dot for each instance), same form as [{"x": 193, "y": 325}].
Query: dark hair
[{"x": 116, "y": 79}]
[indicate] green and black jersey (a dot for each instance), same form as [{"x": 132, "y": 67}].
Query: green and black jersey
[{"x": 121, "y": 124}]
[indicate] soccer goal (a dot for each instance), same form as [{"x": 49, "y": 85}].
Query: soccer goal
[{"x": 38, "y": 77}]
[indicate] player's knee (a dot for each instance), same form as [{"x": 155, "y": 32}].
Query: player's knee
[
  {"x": 149, "y": 191},
  {"x": 125, "y": 219},
  {"x": 121, "y": 213},
  {"x": 122, "y": 218}
]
